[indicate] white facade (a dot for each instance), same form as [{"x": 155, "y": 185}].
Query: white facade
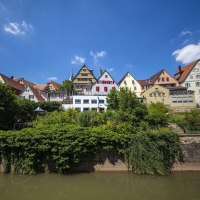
[
  {"x": 130, "y": 83},
  {"x": 192, "y": 82},
  {"x": 84, "y": 103},
  {"x": 32, "y": 94},
  {"x": 104, "y": 84}
]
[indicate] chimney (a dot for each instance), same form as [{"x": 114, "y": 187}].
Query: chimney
[{"x": 12, "y": 77}]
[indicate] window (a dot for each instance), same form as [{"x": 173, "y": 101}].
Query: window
[
  {"x": 105, "y": 89},
  {"x": 135, "y": 88},
  {"x": 167, "y": 79},
  {"x": 179, "y": 99},
  {"x": 97, "y": 88},
  {"x": 125, "y": 82},
  {"x": 106, "y": 76},
  {"x": 84, "y": 70},
  {"x": 31, "y": 96},
  {"x": 185, "y": 99},
  {"x": 198, "y": 84},
  {"x": 163, "y": 79},
  {"x": 77, "y": 101},
  {"x": 198, "y": 76},
  {"x": 101, "y": 101},
  {"x": 94, "y": 109},
  {"x": 94, "y": 101},
  {"x": 133, "y": 82},
  {"x": 86, "y": 101},
  {"x": 190, "y": 99},
  {"x": 187, "y": 84},
  {"x": 79, "y": 109},
  {"x": 84, "y": 74},
  {"x": 158, "y": 79},
  {"x": 86, "y": 109},
  {"x": 174, "y": 100},
  {"x": 101, "y": 109},
  {"x": 191, "y": 77},
  {"x": 150, "y": 94}
]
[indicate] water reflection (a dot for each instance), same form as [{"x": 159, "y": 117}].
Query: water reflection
[{"x": 99, "y": 186}]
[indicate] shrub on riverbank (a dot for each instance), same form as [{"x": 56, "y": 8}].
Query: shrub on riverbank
[{"x": 36, "y": 150}]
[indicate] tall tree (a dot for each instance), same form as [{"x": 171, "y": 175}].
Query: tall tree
[
  {"x": 67, "y": 86},
  {"x": 8, "y": 107}
]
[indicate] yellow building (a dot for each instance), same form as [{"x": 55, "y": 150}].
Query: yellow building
[
  {"x": 83, "y": 80},
  {"x": 175, "y": 98}
]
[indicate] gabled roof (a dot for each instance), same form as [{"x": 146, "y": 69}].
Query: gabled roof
[
  {"x": 156, "y": 76},
  {"x": 105, "y": 71},
  {"x": 125, "y": 77},
  {"x": 185, "y": 71},
  {"x": 41, "y": 87},
  {"x": 37, "y": 93},
  {"x": 55, "y": 85},
  {"x": 13, "y": 84},
  {"x": 80, "y": 71},
  {"x": 25, "y": 82}
]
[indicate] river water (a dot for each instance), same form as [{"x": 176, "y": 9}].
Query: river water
[{"x": 101, "y": 186}]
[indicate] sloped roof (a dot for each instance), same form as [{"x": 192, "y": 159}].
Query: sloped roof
[
  {"x": 27, "y": 83},
  {"x": 143, "y": 82},
  {"x": 12, "y": 83},
  {"x": 37, "y": 94},
  {"x": 156, "y": 76},
  {"x": 125, "y": 77},
  {"x": 41, "y": 87},
  {"x": 87, "y": 69},
  {"x": 185, "y": 71},
  {"x": 55, "y": 85}
]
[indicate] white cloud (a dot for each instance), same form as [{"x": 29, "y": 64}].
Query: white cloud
[
  {"x": 53, "y": 78},
  {"x": 98, "y": 54},
  {"x": 16, "y": 28},
  {"x": 185, "y": 33},
  {"x": 188, "y": 53},
  {"x": 77, "y": 60},
  {"x": 110, "y": 69}
]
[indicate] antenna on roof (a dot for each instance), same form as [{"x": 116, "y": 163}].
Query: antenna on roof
[{"x": 100, "y": 70}]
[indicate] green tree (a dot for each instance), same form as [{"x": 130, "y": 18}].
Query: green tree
[
  {"x": 192, "y": 120},
  {"x": 158, "y": 115},
  {"x": 25, "y": 110},
  {"x": 113, "y": 99},
  {"x": 67, "y": 86},
  {"x": 8, "y": 107}
]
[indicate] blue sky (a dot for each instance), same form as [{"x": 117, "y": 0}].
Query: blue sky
[{"x": 45, "y": 39}]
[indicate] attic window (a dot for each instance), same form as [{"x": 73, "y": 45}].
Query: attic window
[{"x": 106, "y": 76}]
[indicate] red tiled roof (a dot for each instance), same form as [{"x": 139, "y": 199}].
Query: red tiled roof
[
  {"x": 37, "y": 94},
  {"x": 184, "y": 71},
  {"x": 40, "y": 86},
  {"x": 13, "y": 84},
  {"x": 143, "y": 82},
  {"x": 26, "y": 83}
]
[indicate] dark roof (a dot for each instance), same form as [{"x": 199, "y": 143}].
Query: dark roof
[
  {"x": 185, "y": 71},
  {"x": 13, "y": 84},
  {"x": 26, "y": 83},
  {"x": 143, "y": 82}
]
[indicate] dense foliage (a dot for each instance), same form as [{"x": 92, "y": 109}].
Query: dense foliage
[{"x": 59, "y": 149}]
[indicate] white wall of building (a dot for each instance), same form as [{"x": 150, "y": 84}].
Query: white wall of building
[
  {"x": 130, "y": 83},
  {"x": 192, "y": 82},
  {"x": 93, "y": 102},
  {"x": 103, "y": 85}
]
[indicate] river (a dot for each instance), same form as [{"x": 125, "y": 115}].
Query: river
[{"x": 101, "y": 186}]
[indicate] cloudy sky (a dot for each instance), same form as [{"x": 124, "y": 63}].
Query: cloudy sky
[{"x": 45, "y": 39}]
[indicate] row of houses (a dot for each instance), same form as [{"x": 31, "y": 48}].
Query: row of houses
[{"x": 179, "y": 92}]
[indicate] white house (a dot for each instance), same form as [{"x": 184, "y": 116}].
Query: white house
[
  {"x": 130, "y": 83},
  {"x": 104, "y": 84},
  {"x": 189, "y": 76},
  {"x": 89, "y": 102},
  {"x": 33, "y": 94}
]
